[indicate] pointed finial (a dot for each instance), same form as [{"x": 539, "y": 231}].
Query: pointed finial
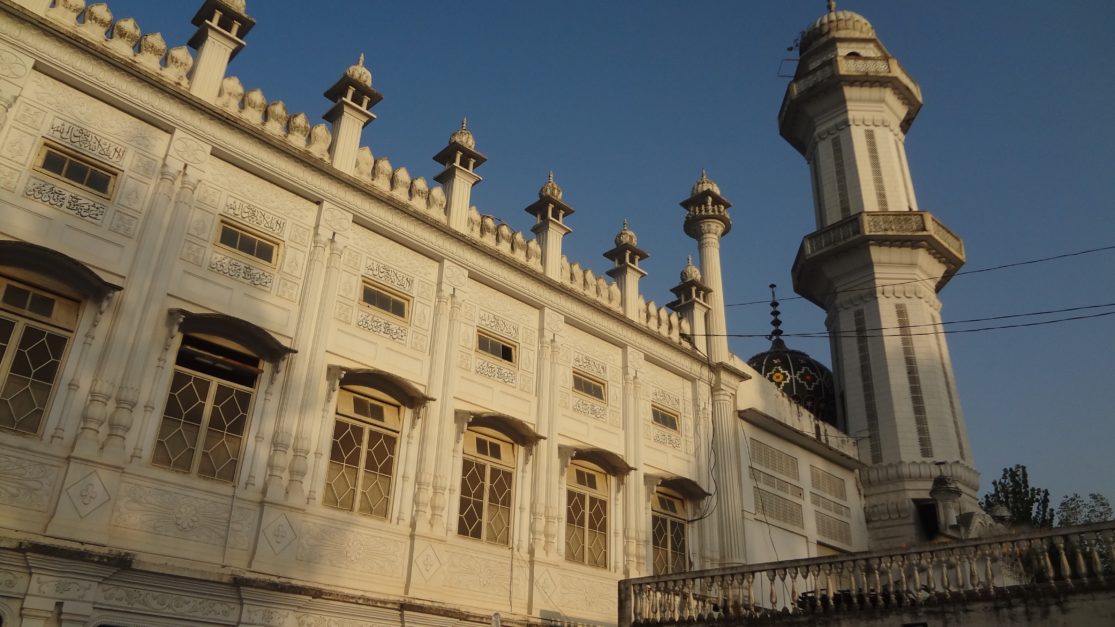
[
  {"x": 776, "y": 332},
  {"x": 464, "y": 123},
  {"x": 359, "y": 73},
  {"x": 832, "y": 6},
  {"x": 550, "y": 188},
  {"x": 689, "y": 260},
  {"x": 625, "y": 223},
  {"x": 550, "y": 179},
  {"x": 360, "y": 59}
]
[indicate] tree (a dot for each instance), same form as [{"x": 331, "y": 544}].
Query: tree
[
  {"x": 1027, "y": 505},
  {"x": 1077, "y": 510}
]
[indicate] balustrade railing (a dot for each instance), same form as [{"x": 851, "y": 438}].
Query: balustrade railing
[{"x": 1064, "y": 560}]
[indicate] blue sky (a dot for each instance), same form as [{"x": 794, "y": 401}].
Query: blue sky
[{"x": 627, "y": 100}]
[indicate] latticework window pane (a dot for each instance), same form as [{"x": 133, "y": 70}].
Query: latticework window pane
[
  {"x": 472, "y": 499},
  {"x": 596, "y": 538},
  {"x": 224, "y": 435},
  {"x": 575, "y": 526},
  {"x": 379, "y": 462},
  {"x": 499, "y": 506},
  {"x": 660, "y": 540},
  {"x": 34, "y": 366},
  {"x": 185, "y": 410},
  {"x": 679, "y": 561}
]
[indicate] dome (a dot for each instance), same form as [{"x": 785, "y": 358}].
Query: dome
[
  {"x": 626, "y": 236},
  {"x": 690, "y": 272},
  {"x": 836, "y": 24},
  {"x": 704, "y": 184},
  {"x": 463, "y": 136},
  {"x": 805, "y": 380},
  {"x": 550, "y": 189},
  {"x": 359, "y": 73}
]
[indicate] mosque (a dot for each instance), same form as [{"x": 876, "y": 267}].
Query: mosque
[{"x": 252, "y": 373}]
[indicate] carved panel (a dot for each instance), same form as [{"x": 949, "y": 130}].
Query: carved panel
[
  {"x": 123, "y": 224},
  {"x": 349, "y": 549},
  {"x": 87, "y": 494},
  {"x": 236, "y": 269},
  {"x": 589, "y": 408},
  {"x": 18, "y": 146},
  {"x": 132, "y": 195},
  {"x": 92, "y": 113},
  {"x": 62, "y": 588},
  {"x": 287, "y": 289},
  {"x": 166, "y": 603},
  {"x": 380, "y": 326},
  {"x": 12, "y": 582},
  {"x": 85, "y": 140},
  {"x": 171, "y": 514},
  {"x": 496, "y": 324},
  {"x": 487, "y": 369},
  {"x": 252, "y": 215},
  {"x": 662, "y": 397},
  {"x": 30, "y": 115},
  {"x": 667, "y": 438},
  {"x": 468, "y": 571},
  {"x": 11, "y": 65},
  {"x": 9, "y": 178},
  {"x": 193, "y": 253},
  {"x": 389, "y": 276},
  {"x": 25, "y": 483},
  {"x": 587, "y": 364},
  {"x": 51, "y": 195}
]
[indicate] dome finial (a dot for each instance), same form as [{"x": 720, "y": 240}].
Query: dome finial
[
  {"x": 463, "y": 136},
  {"x": 775, "y": 322},
  {"x": 690, "y": 272},
  {"x": 832, "y": 6},
  {"x": 360, "y": 59},
  {"x": 464, "y": 123},
  {"x": 359, "y": 73},
  {"x": 550, "y": 188}
]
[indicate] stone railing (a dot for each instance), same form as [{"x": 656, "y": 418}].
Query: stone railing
[
  {"x": 1057, "y": 561},
  {"x": 884, "y": 224}
]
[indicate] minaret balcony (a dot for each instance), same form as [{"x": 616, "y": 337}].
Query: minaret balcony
[{"x": 888, "y": 228}]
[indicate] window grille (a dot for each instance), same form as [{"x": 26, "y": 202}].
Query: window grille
[
  {"x": 828, "y": 483},
  {"x": 829, "y": 505},
  {"x": 771, "y": 458},
  {"x": 668, "y": 534},
  {"x": 783, "y": 486},
  {"x": 206, "y": 416},
  {"x": 586, "y": 516},
  {"x": 774, "y": 507},
  {"x": 35, "y": 331},
  {"x": 362, "y": 459},
  {"x": 832, "y": 528},
  {"x": 487, "y": 482}
]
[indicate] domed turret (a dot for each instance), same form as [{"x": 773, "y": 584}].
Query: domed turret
[
  {"x": 704, "y": 184},
  {"x": 359, "y": 73},
  {"x": 690, "y": 272},
  {"x": 463, "y": 136},
  {"x": 550, "y": 189},
  {"x": 626, "y": 236},
  {"x": 836, "y": 24},
  {"x": 805, "y": 380}
]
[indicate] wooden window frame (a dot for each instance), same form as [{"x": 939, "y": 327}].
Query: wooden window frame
[
  {"x": 603, "y": 398},
  {"x": 587, "y": 494},
  {"x": 390, "y": 426},
  {"x": 112, "y": 173},
  {"x": 506, "y": 462},
  {"x": 675, "y": 416},
  {"x": 671, "y": 520},
  {"x": 367, "y": 284},
  {"x": 491, "y": 337},
  {"x": 276, "y": 245}
]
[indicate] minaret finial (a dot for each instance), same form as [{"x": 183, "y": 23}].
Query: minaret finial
[
  {"x": 689, "y": 260},
  {"x": 775, "y": 322},
  {"x": 551, "y": 177},
  {"x": 360, "y": 59},
  {"x": 464, "y": 124},
  {"x": 625, "y": 223},
  {"x": 832, "y": 6}
]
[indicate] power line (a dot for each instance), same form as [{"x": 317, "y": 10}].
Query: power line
[
  {"x": 944, "y": 331},
  {"x": 961, "y": 273}
]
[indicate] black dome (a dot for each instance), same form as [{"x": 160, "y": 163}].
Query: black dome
[{"x": 805, "y": 380}]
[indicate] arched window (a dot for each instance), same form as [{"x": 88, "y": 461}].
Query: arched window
[
  {"x": 364, "y": 453},
  {"x": 487, "y": 486},
  {"x": 586, "y": 515},
  {"x": 41, "y": 292},
  {"x": 216, "y": 373}
]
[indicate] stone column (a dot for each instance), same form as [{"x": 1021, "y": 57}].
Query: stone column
[
  {"x": 727, "y": 466},
  {"x": 709, "y": 248}
]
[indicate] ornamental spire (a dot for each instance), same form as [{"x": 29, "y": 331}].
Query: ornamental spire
[
  {"x": 775, "y": 322},
  {"x": 832, "y": 6}
]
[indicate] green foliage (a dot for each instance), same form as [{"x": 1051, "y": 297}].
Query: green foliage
[
  {"x": 1028, "y": 506},
  {"x": 1078, "y": 510}
]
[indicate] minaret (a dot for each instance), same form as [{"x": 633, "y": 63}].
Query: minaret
[
  {"x": 626, "y": 271},
  {"x": 353, "y": 99},
  {"x": 875, "y": 264},
  {"x": 691, "y": 303},
  {"x": 707, "y": 220},
  {"x": 460, "y": 160},
  {"x": 221, "y": 28},
  {"x": 549, "y": 228}
]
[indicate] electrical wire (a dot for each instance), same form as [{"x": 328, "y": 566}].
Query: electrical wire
[{"x": 937, "y": 278}]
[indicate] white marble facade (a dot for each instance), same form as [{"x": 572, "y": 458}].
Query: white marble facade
[{"x": 226, "y": 235}]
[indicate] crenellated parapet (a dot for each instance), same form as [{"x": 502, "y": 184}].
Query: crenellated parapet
[{"x": 221, "y": 28}]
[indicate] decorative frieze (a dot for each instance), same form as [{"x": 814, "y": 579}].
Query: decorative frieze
[
  {"x": 81, "y": 138},
  {"x": 54, "y": 196},
  {"x": 254, "y": 216},
  {"x": 389, "y": 276},
  {"x": 662, "y": 397},
  {"x": 587, "y": 364},
  {"x": 344, "y": 548},
  {"x": 386, "y": 328},
  {"x": 177, "y": 605},
  {"x": 672, "y": 440},
  {"x": 487, "y": 369},
  {"x": 87, "y": 494},
  {"x": 494, "y": 323},
  {"x": 589, "y": 408},
  {"x": 172, "y": 514},
  {"x": 236, "y": 269}
]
